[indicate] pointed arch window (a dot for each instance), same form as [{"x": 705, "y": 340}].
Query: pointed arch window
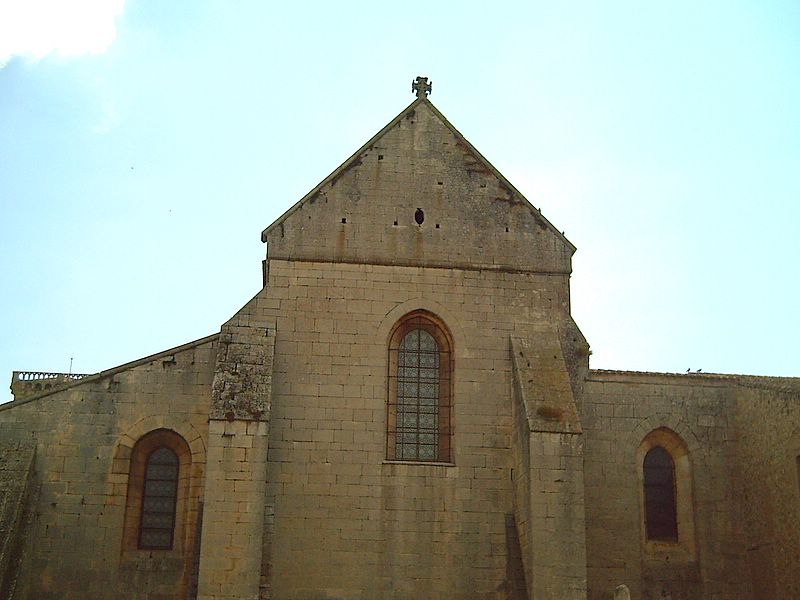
[
  {"x": 667, "y": 507},
  {"x": 661, "y": 514},
  {"x": 419, "y": 423}
]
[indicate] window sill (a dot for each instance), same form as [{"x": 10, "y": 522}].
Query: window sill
[
  {"x": 152, "y": 561},
  {"x": 428, "y": 463},
  {"x": 659, "y": 550}
]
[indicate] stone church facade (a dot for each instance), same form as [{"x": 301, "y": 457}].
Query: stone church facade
[{"x": 404, "y": 411}]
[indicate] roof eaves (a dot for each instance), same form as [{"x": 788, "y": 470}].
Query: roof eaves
[{"x": 790, "y": 384}]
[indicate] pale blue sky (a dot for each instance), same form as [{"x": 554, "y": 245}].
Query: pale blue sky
[{"x": 663, "y": 138}]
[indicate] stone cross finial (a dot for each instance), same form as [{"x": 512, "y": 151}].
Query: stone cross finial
[{"x": 422, "y": 87}]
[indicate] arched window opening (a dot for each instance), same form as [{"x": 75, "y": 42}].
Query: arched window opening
[
  {"x": 157, "y": 509},
  {"x": 666, "y": 499},
  {"x": 418, "y": 397},
  {"x": 661, "y": 515},
  {"x": 419, "y": 423},
  {"x": 159, "y": 500}
]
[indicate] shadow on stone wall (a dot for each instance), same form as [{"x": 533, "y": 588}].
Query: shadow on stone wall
[{"x": 17, "y": 488}]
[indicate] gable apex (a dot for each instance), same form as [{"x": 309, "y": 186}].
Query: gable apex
[
  {"x": 347, "y": 164},
  {"x": 419, "y": 194}
]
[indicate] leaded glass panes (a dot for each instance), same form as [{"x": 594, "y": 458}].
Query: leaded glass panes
[
  {"x": 419, "y": 395},
  {"x": 159, "y": 497},
  {"x": 416, "y": 431}
]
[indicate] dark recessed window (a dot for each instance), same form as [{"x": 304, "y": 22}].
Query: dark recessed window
[{"x": 661, "y": 518}]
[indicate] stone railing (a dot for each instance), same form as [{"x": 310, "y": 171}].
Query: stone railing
[
  {"x": 33, "y": 375},
  {"x": 29, "y": 383}
]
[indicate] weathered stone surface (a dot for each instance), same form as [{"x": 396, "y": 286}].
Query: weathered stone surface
[
  {"x": 284, "y": 415},
  {"x": 233, "y": 532},
  {"x": 366, "y": 211},
  {"x": 549, "y": 488},
  {"x": 618, "y": 411},
  {"x": 243, "y": 374},
  {"x": 83, "y": 436},
  {"x": 25, "y": 384},
  {"x": 17, "y": 494},
  {"x": 542, "y": 383},
  {"x": 621, "y": 592}
]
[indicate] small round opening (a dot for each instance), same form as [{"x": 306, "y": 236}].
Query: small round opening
[{"x": 419, "y": 216}]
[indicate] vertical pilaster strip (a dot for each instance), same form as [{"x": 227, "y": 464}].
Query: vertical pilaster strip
[{"x": 238, "y": 435}]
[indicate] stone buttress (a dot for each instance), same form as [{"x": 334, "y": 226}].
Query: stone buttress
[{"x": 233, "y": 515}]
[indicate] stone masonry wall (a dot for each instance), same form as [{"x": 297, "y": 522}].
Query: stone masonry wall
[
  {"x": 557, "y": 515},
  {"x": 619, "y": 409},
  {"x": 348, "y": 523},
  {"x": 768, "y": 487},
  {"x": 367, "y": 210},
  {"x": 83, "y": 436},
  {"x": 555, "y": 537},
  {"x": 16, "y": 493},
  {"x": 521, "y": 476},
  {"x": 230, "y": 563},
  {"x": 233, "y": 520}
]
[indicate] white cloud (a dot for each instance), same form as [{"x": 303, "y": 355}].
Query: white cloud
[{"x": 37, "y": 28}]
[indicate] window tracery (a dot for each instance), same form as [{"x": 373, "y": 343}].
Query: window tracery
[
  {"x": 159, "y": 500},
  {"x": 419, "y": 423},
  {"x": 156, "y": 507}
]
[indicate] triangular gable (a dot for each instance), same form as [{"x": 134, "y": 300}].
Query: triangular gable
[
  {"x": 374, "y": 140},
  {"x": 419, "y": 165}
]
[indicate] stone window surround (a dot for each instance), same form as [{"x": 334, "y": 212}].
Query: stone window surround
[
  {"x": 148, "y": 443},
  {"x": 161, "y": 476},
  {"x": 435, "y": 326},
  {"x": 684, "y": 549}
]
